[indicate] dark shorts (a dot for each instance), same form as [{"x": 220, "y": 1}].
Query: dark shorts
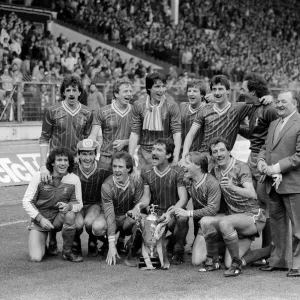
[
  {"x": 125, "y": 224},
  {"x": 259, "y": 218},
  {"x": 34, "y": 225}
]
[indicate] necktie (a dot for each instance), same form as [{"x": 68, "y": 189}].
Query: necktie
[{"x": 277, "y": 130}]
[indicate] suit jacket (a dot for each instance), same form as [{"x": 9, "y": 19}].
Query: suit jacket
[{"x": 285, "y": 151}]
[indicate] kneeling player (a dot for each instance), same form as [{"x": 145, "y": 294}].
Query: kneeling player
[
  {"x": 164, "y": 187},
  {"x": 245, "y": 217},
  {"x": 205, "y": 192},
  {"x": 91, "y": 176},
  {"x": 53, "y": 205},
  {"x": 119, "y": 193}
]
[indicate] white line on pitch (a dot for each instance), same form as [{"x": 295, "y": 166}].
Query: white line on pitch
[{"x": 12, "y": 223}]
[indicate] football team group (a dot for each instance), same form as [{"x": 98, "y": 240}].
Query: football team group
[{"x": 156, "y": 152}]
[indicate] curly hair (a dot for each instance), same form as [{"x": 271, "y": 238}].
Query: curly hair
[
  {"x": 216, "y": 141},
  {"x": 71, "y": 80},
  {"x": 60, "y": 152},
  {"x": 257, "y": 84},
  {"x": 170, "y": 146}
]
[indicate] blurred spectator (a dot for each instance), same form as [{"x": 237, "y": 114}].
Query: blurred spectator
[{"x": 95, "y": 98}]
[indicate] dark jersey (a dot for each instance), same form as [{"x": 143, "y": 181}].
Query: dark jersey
[
  {"x": 63, "y": 127},
  {"x": 260, "y": 116},
  {"x": 188, "y": 116},
  {"x": 206, "y": 196},
  {"x": 163, "y": 185},
  {"x": 240, "y": 173},
  {"x": 91, "y": 183},
  {"x": 115, "y": 125},
  {"x": 118, "y": 199},
  {"x": 215, "y": 123},
  {"x": 171, "y": 123}
]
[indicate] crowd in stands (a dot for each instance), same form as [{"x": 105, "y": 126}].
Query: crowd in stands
[{"x": 212, "y": 36}]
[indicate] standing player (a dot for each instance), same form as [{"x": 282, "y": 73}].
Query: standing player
[
  {"x": 64, "y": 125},
  {"x": 154, "y": 118},
  {"x": 91, "y": 176},
  {"x": 220, "y": 119},
  {"x": 164, "y": 187},
  {"x": 52, "y": 205},
  {"x": 245, "y": 218},
  {"x": 119, "y": 193},
  {"x": 260, "y": 116},
  {"x": 196, "y": 91},
  {"x": 114, "y": 121},
  {"x": 206, "y": 196}
]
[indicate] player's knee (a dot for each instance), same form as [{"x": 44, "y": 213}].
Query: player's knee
[
  {"x": 88, "y": 224},
  {"x": 99, "y": 228},
  {"x": 225, "y": 225},
  {"x": 205, "y": 223},
  {"x": 69, "y": 218}
]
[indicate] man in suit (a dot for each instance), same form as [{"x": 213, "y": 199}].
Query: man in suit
[{"x": 279, "y": 160}]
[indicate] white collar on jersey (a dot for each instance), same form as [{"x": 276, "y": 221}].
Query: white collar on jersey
[
  {"x": 70, "y": 111},
  {"x": 231, "y": 165},
  {"x": 87, "y": 175},
  {"x": 200, "y": 182},
  {"x": 122, "y": 186},
  {"x": 222, "y": 111},
  {"x": 163, "y": 173},
  {"x": 197, "y": 109},
  {"x": 119, "y": 112}
]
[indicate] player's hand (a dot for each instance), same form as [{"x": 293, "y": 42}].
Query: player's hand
[
  {"x": 175, "y": 161},
  {"x": 119, "y": 144},
  {"x": 265, "y": 100},
  {"x": 269, "y": 170},
  {"x": 277, "y": 178},
  {"x": 63, "y": 207},
  {"x": 181, "y": 163},
  {"x": 166, "y": 216},
  {"x": 226, "y": 182},
  {"x": 135, "y": 212},
  {"x": 180, "y": 212},
  {"x": 209, "y": 98},
  {"x": 112, "y": 254},
  {"x": 45, "y": 174},
  {"x": 46, "y": 224},
  {"x": 261, "y": 166}
]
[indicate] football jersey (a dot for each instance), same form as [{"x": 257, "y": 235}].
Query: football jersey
[
  {"x": 115, "y": 125},
  {"x": 225, "y": 123},
  {"x": 206, "y": 196},
  {"x": 63, "y": 127},
  {"x": 239, "y": 172},
  {"x": 41, "y": 198},
  {"x": 91, "y": 183},
  {"x": 118, "y": 199},
  {"x": 188, "y": 115},
  {"x": 171, "y": 123},
  {"x": 163, "y": 185}
]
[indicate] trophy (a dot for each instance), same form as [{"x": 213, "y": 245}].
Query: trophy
[{"x": 150, "y": 226}]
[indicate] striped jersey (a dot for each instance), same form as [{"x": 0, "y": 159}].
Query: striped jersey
[
  {"x": 115, "y": 125},
  {"x": 206, "y": 196},
  {"x": 188, "y": 115},
  {"x": 118, "y": 199},
  {"x": 63, "y": 127},
  {"x": 91, "y": 183},
  {"x": 225, "y": 123},
  {"x": 163, "y": 185},
  {"x": 171, "y": 123},
  {"x": 41, "y": 198},
  {"x": 239, "y": 172}
]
